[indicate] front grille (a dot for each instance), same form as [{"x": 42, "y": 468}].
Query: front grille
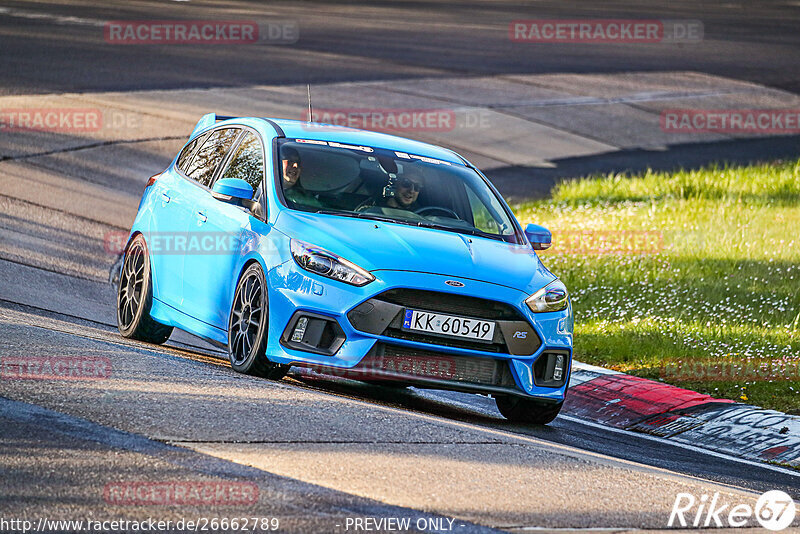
[
  {"x": 383, "y": 315},
  {"x": 436, "y": 301},
  {"x": 404, "y": 362},
  {"x": 443, "y": 341}
]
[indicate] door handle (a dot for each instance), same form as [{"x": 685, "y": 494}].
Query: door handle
[
  {"x": 202, "y": 216},
  {"x": 165, "y": 197}
]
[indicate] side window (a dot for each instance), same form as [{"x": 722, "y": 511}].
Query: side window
[
  {"x": 188, "y": 152},
  {"x": 209, "y": 156},
  {"x": 248, "y": 162},
  {"x": 483, "y": 220}
]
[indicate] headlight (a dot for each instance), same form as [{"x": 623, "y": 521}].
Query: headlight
[
  {"x": 320, "y": 261},
  {"x": 552, "y": 297}
]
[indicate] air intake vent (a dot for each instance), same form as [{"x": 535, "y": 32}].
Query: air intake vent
[
  {"x": 451, "y": 303},
  {"x": 405, "y": 362}
]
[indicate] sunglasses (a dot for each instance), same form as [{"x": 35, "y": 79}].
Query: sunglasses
[{"x": 407, "y": 183}]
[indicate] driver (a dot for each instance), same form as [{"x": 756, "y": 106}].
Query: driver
[{"x": 406, "y": 192}]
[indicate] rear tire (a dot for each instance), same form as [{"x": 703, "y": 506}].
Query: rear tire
[
  {"x": 248, "y": 327},
  {"x": 523, "y": 410},
  {"x": 135, "y": 297}
]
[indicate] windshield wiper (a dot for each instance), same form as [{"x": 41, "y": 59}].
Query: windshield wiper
[
  {"x": 373, "y": 217},
  {"x": 439, "y": 226},
  {"x": 468, "y": 231},
  {"x": 337, "y": 212},
  {"x": 423, "y": 224},
  {"x": 361, "y": 215}
]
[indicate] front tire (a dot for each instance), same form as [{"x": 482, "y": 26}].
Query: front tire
[
  {"x": 523, "y": 410},
  {"x": 135, "y": 297},
  {"x": 248, "y": 327}
]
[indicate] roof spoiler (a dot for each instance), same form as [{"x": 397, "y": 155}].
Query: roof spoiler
[{"x": 207, "y": 120}]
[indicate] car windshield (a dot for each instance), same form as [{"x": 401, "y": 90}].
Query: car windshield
[{"x": 387, "y": 185}]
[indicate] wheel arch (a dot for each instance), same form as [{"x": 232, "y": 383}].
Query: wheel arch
[
  {"x": 124, "y": 251},
  {"x": 153, "y": 276},
  {"x": 247, "y": 261},
  {"x": 142, "y": 326}
]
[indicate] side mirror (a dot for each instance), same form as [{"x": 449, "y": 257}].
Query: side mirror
[
  {"x": 239, "y": 193},
  {"x": 232, "y": 190},
  {"x": 539, "y": 236}
]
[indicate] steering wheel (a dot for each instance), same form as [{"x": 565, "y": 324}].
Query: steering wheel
[{"x": 448, "y": 211}]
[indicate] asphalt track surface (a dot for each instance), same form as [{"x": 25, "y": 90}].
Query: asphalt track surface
[
  {"x": 319, "y": 449},
  {"x": 346, "y": 41}
]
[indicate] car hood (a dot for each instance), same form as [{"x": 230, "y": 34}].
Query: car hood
[{"x": 377, "y": 245}]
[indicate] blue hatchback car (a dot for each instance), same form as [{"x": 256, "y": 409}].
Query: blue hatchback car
[{"x": 376, "y": 257}]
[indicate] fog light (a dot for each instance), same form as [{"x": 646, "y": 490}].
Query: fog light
[
  {"x": 550, "y": 369},
  {"x": 558, "y": 371},
  {"x": 300, "y": 329}
]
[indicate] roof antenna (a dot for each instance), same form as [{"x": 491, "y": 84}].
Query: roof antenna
[{"x": 310, "y": 111}]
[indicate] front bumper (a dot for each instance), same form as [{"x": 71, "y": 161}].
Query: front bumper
[{"x": 372, "y": 349}]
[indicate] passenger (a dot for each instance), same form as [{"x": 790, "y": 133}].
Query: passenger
[{"x": 293, "y": 190}]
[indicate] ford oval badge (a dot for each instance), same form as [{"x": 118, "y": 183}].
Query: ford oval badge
[{"x": 454, "y": 283}]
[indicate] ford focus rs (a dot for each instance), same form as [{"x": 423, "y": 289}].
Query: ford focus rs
[{"x": 385, "y": 259}]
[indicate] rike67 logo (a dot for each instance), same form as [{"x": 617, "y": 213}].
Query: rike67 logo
[{"x": 775, "y": 510}]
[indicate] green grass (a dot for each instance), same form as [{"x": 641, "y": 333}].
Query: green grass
[{"x": 718, "y": 282}]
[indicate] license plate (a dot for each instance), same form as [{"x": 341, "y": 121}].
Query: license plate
[{"x": 448, "y": 325}]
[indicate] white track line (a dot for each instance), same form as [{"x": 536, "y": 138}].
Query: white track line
[
  {"x": 50, "y": 17},
  {"x": 784, "y": 470},
  {"x": 431, "y": 395}
]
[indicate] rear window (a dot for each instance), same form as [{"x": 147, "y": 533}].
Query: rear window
[
  {"x": 205, "y": 162},
  {"x": 189, "y": 151}
]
